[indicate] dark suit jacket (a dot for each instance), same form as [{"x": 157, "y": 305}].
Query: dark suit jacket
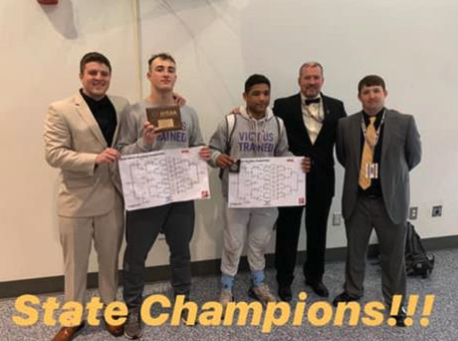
[
  {"x": 321, "y": 179},
  {"x": 401, "y": 151}
]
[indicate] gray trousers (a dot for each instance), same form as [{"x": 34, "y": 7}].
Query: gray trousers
[
  {"x": 176, "y": 220},
  {"x": 370, "y": 213},
  {"x": 253, "y": 225}
]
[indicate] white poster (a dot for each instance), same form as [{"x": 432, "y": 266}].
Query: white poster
[
  {"x": 267, "y": 182},
  {"x": 158, "y": 178}
]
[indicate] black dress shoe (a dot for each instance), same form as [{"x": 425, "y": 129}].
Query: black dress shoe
[
  {"x": 318, "y": 288},
  {"x": 400, "y": 317},
  {"x": 285, "y": 293},
  {"x": 344, "y": 297}
]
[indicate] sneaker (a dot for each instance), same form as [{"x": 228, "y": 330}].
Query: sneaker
[
  {"x": 262, "y": 293},
  {"x": 186, "y": 320},
  {"x": 133, "y": 327},
  {"x": 225, "y": 297},
  {"x": 185, "y": 317}
]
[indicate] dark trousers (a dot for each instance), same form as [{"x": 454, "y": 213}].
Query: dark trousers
[
  {"x": 369, "y": 214},
  {"x": 176, "y": 221},
  {"x": 288, "y": 230}
]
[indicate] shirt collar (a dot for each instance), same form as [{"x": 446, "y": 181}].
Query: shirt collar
[{"x": 378, "y": 117}]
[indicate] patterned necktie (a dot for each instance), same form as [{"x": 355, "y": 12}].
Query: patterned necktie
[{"x": 368, "y": 154}]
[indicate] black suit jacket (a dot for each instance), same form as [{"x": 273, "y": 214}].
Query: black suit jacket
[{"x": 321, "y": 179}]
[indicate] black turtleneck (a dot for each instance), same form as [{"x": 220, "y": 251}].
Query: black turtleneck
[{"x": 105, "y": 115}]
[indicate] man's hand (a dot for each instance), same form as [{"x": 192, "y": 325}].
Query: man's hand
[
  {"x": 205, "y": 153},
  {"x": 235, "y": 111},
  {"x": 306, "y": 164},
  {"x": 224, "y": 161},
  {"x": 109, "y": 155},
  {"x": 149, "y": 133},
  {"x": 180, "y": 101}
]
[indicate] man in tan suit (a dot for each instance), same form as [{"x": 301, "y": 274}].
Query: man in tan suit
[{"x": 79, "y": 134}]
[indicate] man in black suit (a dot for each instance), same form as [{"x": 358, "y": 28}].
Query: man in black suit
[{"x": 311, "y": 121}]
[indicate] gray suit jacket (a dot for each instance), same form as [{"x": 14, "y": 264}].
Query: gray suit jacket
[
  {"x": 401, "y": 151},
  {"x": 73, "y": 140}
]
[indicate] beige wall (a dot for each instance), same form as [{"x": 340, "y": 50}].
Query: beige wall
[
  {"x": 41, "y": 48},
  {"x": 217, "y": 44}
]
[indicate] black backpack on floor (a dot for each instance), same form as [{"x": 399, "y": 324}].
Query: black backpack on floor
[{"x": 418, "y": 262}]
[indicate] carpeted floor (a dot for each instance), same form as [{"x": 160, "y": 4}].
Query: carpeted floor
[{"x": 443, "y": 321}]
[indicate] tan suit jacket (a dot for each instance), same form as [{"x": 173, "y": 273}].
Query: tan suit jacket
[{"x": 73, "y": 140}]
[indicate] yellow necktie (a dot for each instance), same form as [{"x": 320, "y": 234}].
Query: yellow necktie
[{"x": 368, "y": 154}]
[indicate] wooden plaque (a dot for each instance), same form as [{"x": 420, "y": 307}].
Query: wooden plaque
[{"x": 165, "y": 118}]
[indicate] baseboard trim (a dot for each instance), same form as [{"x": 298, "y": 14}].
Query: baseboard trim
[{"x": 54, "y": 284}]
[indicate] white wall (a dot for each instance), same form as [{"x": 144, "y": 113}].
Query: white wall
[
  {"x": 217, "y": 44},
  {"x": 40, "y": 51}
]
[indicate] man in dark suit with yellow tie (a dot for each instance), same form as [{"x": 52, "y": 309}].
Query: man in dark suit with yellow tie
[
  {"x": 311, "y": 122},
  {"x": 377, "y": 147}
]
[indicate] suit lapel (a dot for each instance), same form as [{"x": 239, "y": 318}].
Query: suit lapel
[
  {"x": 326, "y": 110},
  {"x": 83, "y": 109},
  {"x": 297, "y": 107},
  {"x": 326, "y": 116},
  {"x": 118, "y": 110},
  {"x": 356, "y": 136},
  {"x": 387, "y": 132}
]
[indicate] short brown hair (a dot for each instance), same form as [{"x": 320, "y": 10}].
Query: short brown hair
[
  {"x": 371, "y": 80},
  {"x": 163, "y": 56},
  {"x": 94, "y": 57}
]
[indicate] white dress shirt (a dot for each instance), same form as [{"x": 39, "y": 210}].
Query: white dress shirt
[{"x": 313, "y": 115}]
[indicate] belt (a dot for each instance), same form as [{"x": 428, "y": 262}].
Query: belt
[{"x": 370, "y": 195}]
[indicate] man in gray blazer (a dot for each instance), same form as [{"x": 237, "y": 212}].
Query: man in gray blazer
[
  {"x": 377, "y": 147},
  {"x": 79, "y": 134}
]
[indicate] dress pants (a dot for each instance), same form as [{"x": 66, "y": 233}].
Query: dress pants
[
  {"x": 370, "y": 213},
  {"x": 76, "y": 235},
  {"x": 288, "y": 230},
  {"x": 176, "y": 221}
]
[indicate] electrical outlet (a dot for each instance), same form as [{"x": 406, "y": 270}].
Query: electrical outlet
[
  {"x": 336, "y": 219},
  {"x": 413, "y": 213},
  {"x": 437, "y": 211}
]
